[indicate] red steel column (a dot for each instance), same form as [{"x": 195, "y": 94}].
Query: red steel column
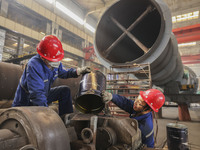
[{"x": 183, "y": 112}]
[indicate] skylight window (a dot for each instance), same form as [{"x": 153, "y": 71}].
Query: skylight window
[
  {"x": 69, "y": 13},
  {"x": 187, "y": 44},
  {"x": 185, "y": 17}
]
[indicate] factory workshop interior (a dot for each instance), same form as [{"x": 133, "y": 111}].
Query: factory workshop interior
[{"x": 99, "y": 74}]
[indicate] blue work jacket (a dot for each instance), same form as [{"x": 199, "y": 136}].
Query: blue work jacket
[
  {"x": 36, "y": 81},
  {"x": 145, "y": 121}
]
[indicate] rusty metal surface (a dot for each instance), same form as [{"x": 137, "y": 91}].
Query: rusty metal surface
[
  {"x": 111, "y": 131},
  {"x": 72, "y": 134},
  {"x": 2, "y": 110},
  {"x": 89, "y": 98},
  {"x": 9, "y": 79},
  {"x": 5, "y": 104},
  {"x": 82, "y": 117},
  {"x": 41, "y": 126},
  {"x": 127, "y": 131},
  {"x": 183, "y": 112},
  {"x": 79, "y": 145},
  {"x": 87, "y": 135},
  {"x": 106, "y": 137},
  {"x": 6, "y": 134},
  {"x": 14, "y": 143}
]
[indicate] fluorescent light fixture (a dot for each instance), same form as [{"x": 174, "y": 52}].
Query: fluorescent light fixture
[
  {"x": 67, "y": 59},
  {"x": 185, "y": 17},
  {"x": 187, "y": 44},
  {"x": 50, "y": 1},
  {"x": 72, "y": 15},
  {"x": 89, "y": 27},
  {"x": 69, "y": 13}
]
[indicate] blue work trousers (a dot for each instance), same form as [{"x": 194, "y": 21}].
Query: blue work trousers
[{"x": 63, "y": 95}]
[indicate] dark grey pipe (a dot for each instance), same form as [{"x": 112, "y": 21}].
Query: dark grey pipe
[
  {"x": 89, "y": 98},
  {"x": 152, "y": 28}
]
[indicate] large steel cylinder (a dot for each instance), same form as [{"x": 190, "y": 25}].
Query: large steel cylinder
[
  {"x": 139, "y": 31},
  {"x": 89, "y": 98},
  {"x": 9, "y": 79}
]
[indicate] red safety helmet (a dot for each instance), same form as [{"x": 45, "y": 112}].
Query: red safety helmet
[
  {"x": 154, "y": 98},
  {"x": 50, "y": 48}
]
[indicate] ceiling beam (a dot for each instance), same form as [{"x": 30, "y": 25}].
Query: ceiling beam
[
  {"x": 191, "y": 59},
  {"x": 187, "y": 34}
]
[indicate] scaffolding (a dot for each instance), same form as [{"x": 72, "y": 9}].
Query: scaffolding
[{"x": 129, "y": 83}]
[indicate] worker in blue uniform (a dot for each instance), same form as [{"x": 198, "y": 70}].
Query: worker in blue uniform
[
  {"x": 140, "y": 109},
  {"x": 34, "y": 88}
]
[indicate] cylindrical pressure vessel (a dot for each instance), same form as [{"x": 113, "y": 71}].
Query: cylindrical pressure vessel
[{"x": 139, "y": 31}]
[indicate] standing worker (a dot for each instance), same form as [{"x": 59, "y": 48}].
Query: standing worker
[
  {"x": 141, "y": 110},
  {"x": 34, "y": 88}
]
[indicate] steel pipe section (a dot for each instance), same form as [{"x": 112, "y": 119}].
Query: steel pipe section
[
  {"x": 9, "y": 78},
  {"x": 89, "y": 99},
  {"x": 139, "y": 31}
]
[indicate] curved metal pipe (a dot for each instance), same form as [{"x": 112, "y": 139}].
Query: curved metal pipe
[
  {"x": 89, "y": 98},
  {"x": 139, "y": 31}
]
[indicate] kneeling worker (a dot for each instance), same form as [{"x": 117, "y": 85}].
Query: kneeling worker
[
  {"x": 34, "y": 88},
  {"x": 140, "y": 109}
]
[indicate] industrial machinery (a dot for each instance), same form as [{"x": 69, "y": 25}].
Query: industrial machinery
[{"x": 40, "y": 128}]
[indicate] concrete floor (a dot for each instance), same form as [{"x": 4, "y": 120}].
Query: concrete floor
[{"x": 170, "y": 115}]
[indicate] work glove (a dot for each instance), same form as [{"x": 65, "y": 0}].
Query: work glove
[
  {"x": 106, "y": 96},
  {"x": 83, "y": 70}
]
